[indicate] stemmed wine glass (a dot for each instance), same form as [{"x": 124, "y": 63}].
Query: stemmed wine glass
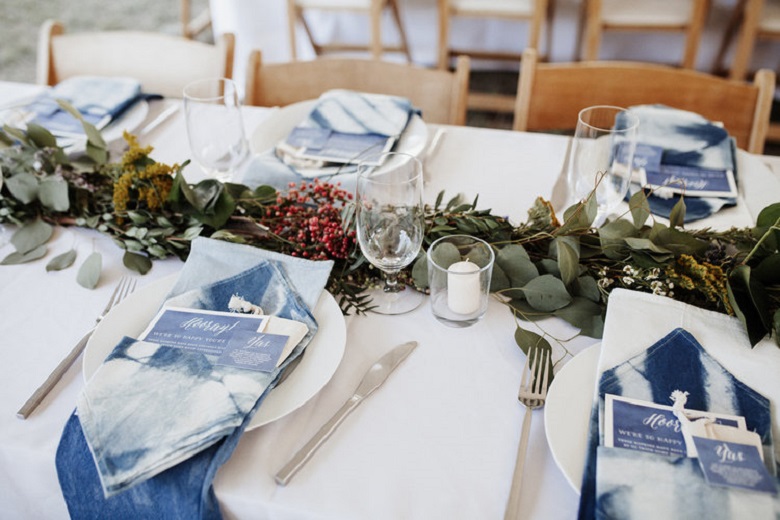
[
  {"x": 214, "y": 126},
  {"x": 601, "y": 156},
  {"x": 390, "y": 224}
]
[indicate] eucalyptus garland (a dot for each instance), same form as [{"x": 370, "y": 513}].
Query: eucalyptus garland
[{"x": 543, "y": 267}]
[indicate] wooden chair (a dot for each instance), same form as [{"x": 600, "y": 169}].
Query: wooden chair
[
  {"x": 192, "y": 27},
  {"x": 440, "y": 94},
  {"x": 535, "y": 13},
  {"x": 163, "y": 64},
  {"x": 683, "y": 16},
  {"x": 760, "y": 20},
  {"x": 550, "y": 95},
  {"x": 372, "y": 8}
]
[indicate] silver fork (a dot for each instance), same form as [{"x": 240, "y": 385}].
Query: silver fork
[
  {"x": 533, "y": 392},
  {"x": 124, "y": 287}
]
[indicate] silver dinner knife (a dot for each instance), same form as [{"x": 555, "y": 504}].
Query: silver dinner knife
[{"x": 373, "y": 379}]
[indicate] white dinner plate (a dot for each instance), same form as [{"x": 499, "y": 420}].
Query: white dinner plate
[
  {"x": 567, "y": 413},
  {"x": 321, "y": 357},
  {"x": 281, "y": 122}
]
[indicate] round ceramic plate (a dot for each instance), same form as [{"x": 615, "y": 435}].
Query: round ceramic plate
[
  {"x": 279, "y": 124},
  {"x": 567, "y": 413},
  {"x": 317, "y": 366}
]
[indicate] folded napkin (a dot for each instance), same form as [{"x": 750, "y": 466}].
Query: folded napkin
[
  {"x": 687, "y": 140},
  {"x": 100, "y": 100},
  {"x": 652, "y": 346},
  {"x": 337, "y": 112},
  {"x": 155, "y": 423}
]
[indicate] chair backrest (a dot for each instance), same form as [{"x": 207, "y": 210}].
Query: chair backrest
[
  {"x": 441, "y": 95},
  {"x": 686, "y": 16},
  {"x": 163, "y": 64},
  {"x": 550, "y": 95}
]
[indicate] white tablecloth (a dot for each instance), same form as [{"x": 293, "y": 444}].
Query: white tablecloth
[{"x": 437, "y": 441}]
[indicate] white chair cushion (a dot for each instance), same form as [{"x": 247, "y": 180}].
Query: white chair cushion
[
  {"x": 494, "y": 7},
  {"x": 770, "y": 17},
  {"x": 646, "y": 12}
]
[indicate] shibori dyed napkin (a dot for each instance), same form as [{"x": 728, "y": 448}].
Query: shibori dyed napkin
[
  {"x": 653, "y": 346},
  {"x": 155, "y": 423},
  {"x": 342, "y": 128},
  {"x": 686, "y": 140},
  {"x": 100, "y": 100}
]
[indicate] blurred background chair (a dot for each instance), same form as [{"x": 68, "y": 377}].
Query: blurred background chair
[
  {"x": 533, "y": 12},
  {"x": 372, "y": 8},
  {"x": 441, "y": 95},
  {"x": 752, "y": 22},
  {"x": 536, "y": 14},
  {"x": 550, "y": 95},
  {"x": 163, "y": 64},
  {"x": 681, "y": 16},
  {"x": 192, "y": 27}
]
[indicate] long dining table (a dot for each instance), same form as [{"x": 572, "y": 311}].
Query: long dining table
[{"x": 438, "y": 440}]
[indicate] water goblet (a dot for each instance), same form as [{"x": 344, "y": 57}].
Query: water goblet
[
  {"x": 601, "y": 157},
  {"x": 212, "y": 110},
  {"x": 390, "y": 225}
]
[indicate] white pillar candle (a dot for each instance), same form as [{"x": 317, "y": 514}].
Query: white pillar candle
[{"x": 463, "y": 287}]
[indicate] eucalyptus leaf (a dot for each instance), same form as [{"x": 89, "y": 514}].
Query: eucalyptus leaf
[
  {"x": 445, "y": 255},
  {"x": 89, "y": 272},
  {"x": 676, "y": 241},
  {"x": 41, "y": 136},
  {"x": 420, "y": 272},
  {"x": 677, "y": 215},
  {"x": 528, "y": 340},
  {"x": 139, "y": 263},
  {"x": 23, "y": 186},
  {"x": 499, "y": 280},
  {"x": 62, "y": 261},
  {"x": 31, "y": 235},
  {"x": 587, "y": 287},
  {"x": 517, "y": 265},
  {"x": 768, "y": 271},
  {"x": 568, "y": 260},
  {"x": 769, "y": 216},
  {"x": 612, "y": 238},
  {"x": 548, "y": 266},
  {"x": 581, "y": 313},
  {"x": 21, "y": 258},
  {"x": 546, "y": 293},
  {"x": 640, "y": 208},
  {"x": 524, "y": 310},
  {"x": 645, "y": 244},
  {"x": 746, "y": 297},
  {"x": 53, "y": 194}
]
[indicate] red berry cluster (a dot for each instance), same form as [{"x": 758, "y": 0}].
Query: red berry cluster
[{"x": 308, "y": 217}]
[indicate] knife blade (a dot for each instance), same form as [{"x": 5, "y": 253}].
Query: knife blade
[{"x": 373, "y": 379}]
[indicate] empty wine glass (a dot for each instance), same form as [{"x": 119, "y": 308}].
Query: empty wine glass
[
  {"x": 390, "y": 225},
  {"x": 214, "y": 126},
  {"x": 601, "y": 156}
]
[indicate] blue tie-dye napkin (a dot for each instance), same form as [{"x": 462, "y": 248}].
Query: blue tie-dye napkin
[
  {"x": 687, "y": 139},
  {"x": 100, "y": 100},
  {"x": 342, "y": 111},
  {"x": 155, "y": 423},
  {"x": 689, "y": 356}
]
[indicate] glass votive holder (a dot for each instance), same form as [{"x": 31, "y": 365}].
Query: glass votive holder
[{"x": 459, "y": 270}]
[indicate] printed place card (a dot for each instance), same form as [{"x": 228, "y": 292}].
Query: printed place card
[
  {"x": 208, "y": 332},
  {"x": 254, "y": 351},
  {"x": 693, "y": 181},
  {"x": 733, "y": 465},
  {"x": 644, "y": 426}
]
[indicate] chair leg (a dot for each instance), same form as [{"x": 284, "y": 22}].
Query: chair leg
[
  {"x": 693, "y": 37},
  {"x": 401, "y": 31},
  {"x": 747, "y": 39},
  {"x": 444, "y": 34},
  {"x": 291, "y": 23},
  {"x": 737, "y": 15},
  {"x": 317, "y": 48},
  {"x": 592, "y": 30}
]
